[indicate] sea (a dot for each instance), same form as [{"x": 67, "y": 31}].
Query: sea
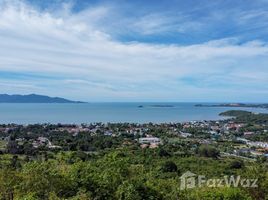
[{"x": 77, "y": 113}]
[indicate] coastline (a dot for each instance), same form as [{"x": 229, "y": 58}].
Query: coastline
[{"x": 55, "y": 113}]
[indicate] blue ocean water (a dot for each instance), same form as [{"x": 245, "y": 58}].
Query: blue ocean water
[{"x": 109, "y": 112}]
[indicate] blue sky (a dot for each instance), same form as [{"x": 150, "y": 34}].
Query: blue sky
[{"x": 138, "y": 50}]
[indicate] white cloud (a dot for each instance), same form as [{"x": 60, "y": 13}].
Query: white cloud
[
  {"x": 92, "y": 65},
  {"x": 152, "y": 24}
]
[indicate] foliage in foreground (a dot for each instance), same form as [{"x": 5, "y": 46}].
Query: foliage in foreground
[{"x": 128, "y": 173}]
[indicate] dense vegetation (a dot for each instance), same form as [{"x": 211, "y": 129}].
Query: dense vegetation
[
  {"x": 93, "y": 165},
  {"x": 123, "y": 173},
  {"x": 247, "y": 117}
]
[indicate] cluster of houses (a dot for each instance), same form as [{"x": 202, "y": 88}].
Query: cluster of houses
[{"x": 215, "y": 130}]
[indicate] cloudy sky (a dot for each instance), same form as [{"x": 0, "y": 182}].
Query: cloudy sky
[{"x": 142, "y": 50}]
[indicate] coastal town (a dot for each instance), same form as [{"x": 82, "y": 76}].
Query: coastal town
[
  {"x": 113, "y": 160},
  {"x": 231, "y": 138}
]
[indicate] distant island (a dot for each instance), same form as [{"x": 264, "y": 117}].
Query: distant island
[
  {"x": 250, "y": 105},
  {"x": 33, "y": 98},
  {"x": 157, "y": 106}
]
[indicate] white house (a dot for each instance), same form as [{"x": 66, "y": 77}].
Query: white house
[{"x": 149, "y": 140}]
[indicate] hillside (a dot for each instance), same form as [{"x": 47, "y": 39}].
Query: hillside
[
  {"x": 33, "y": 98},
  {"x": 246, "y": 117}
]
